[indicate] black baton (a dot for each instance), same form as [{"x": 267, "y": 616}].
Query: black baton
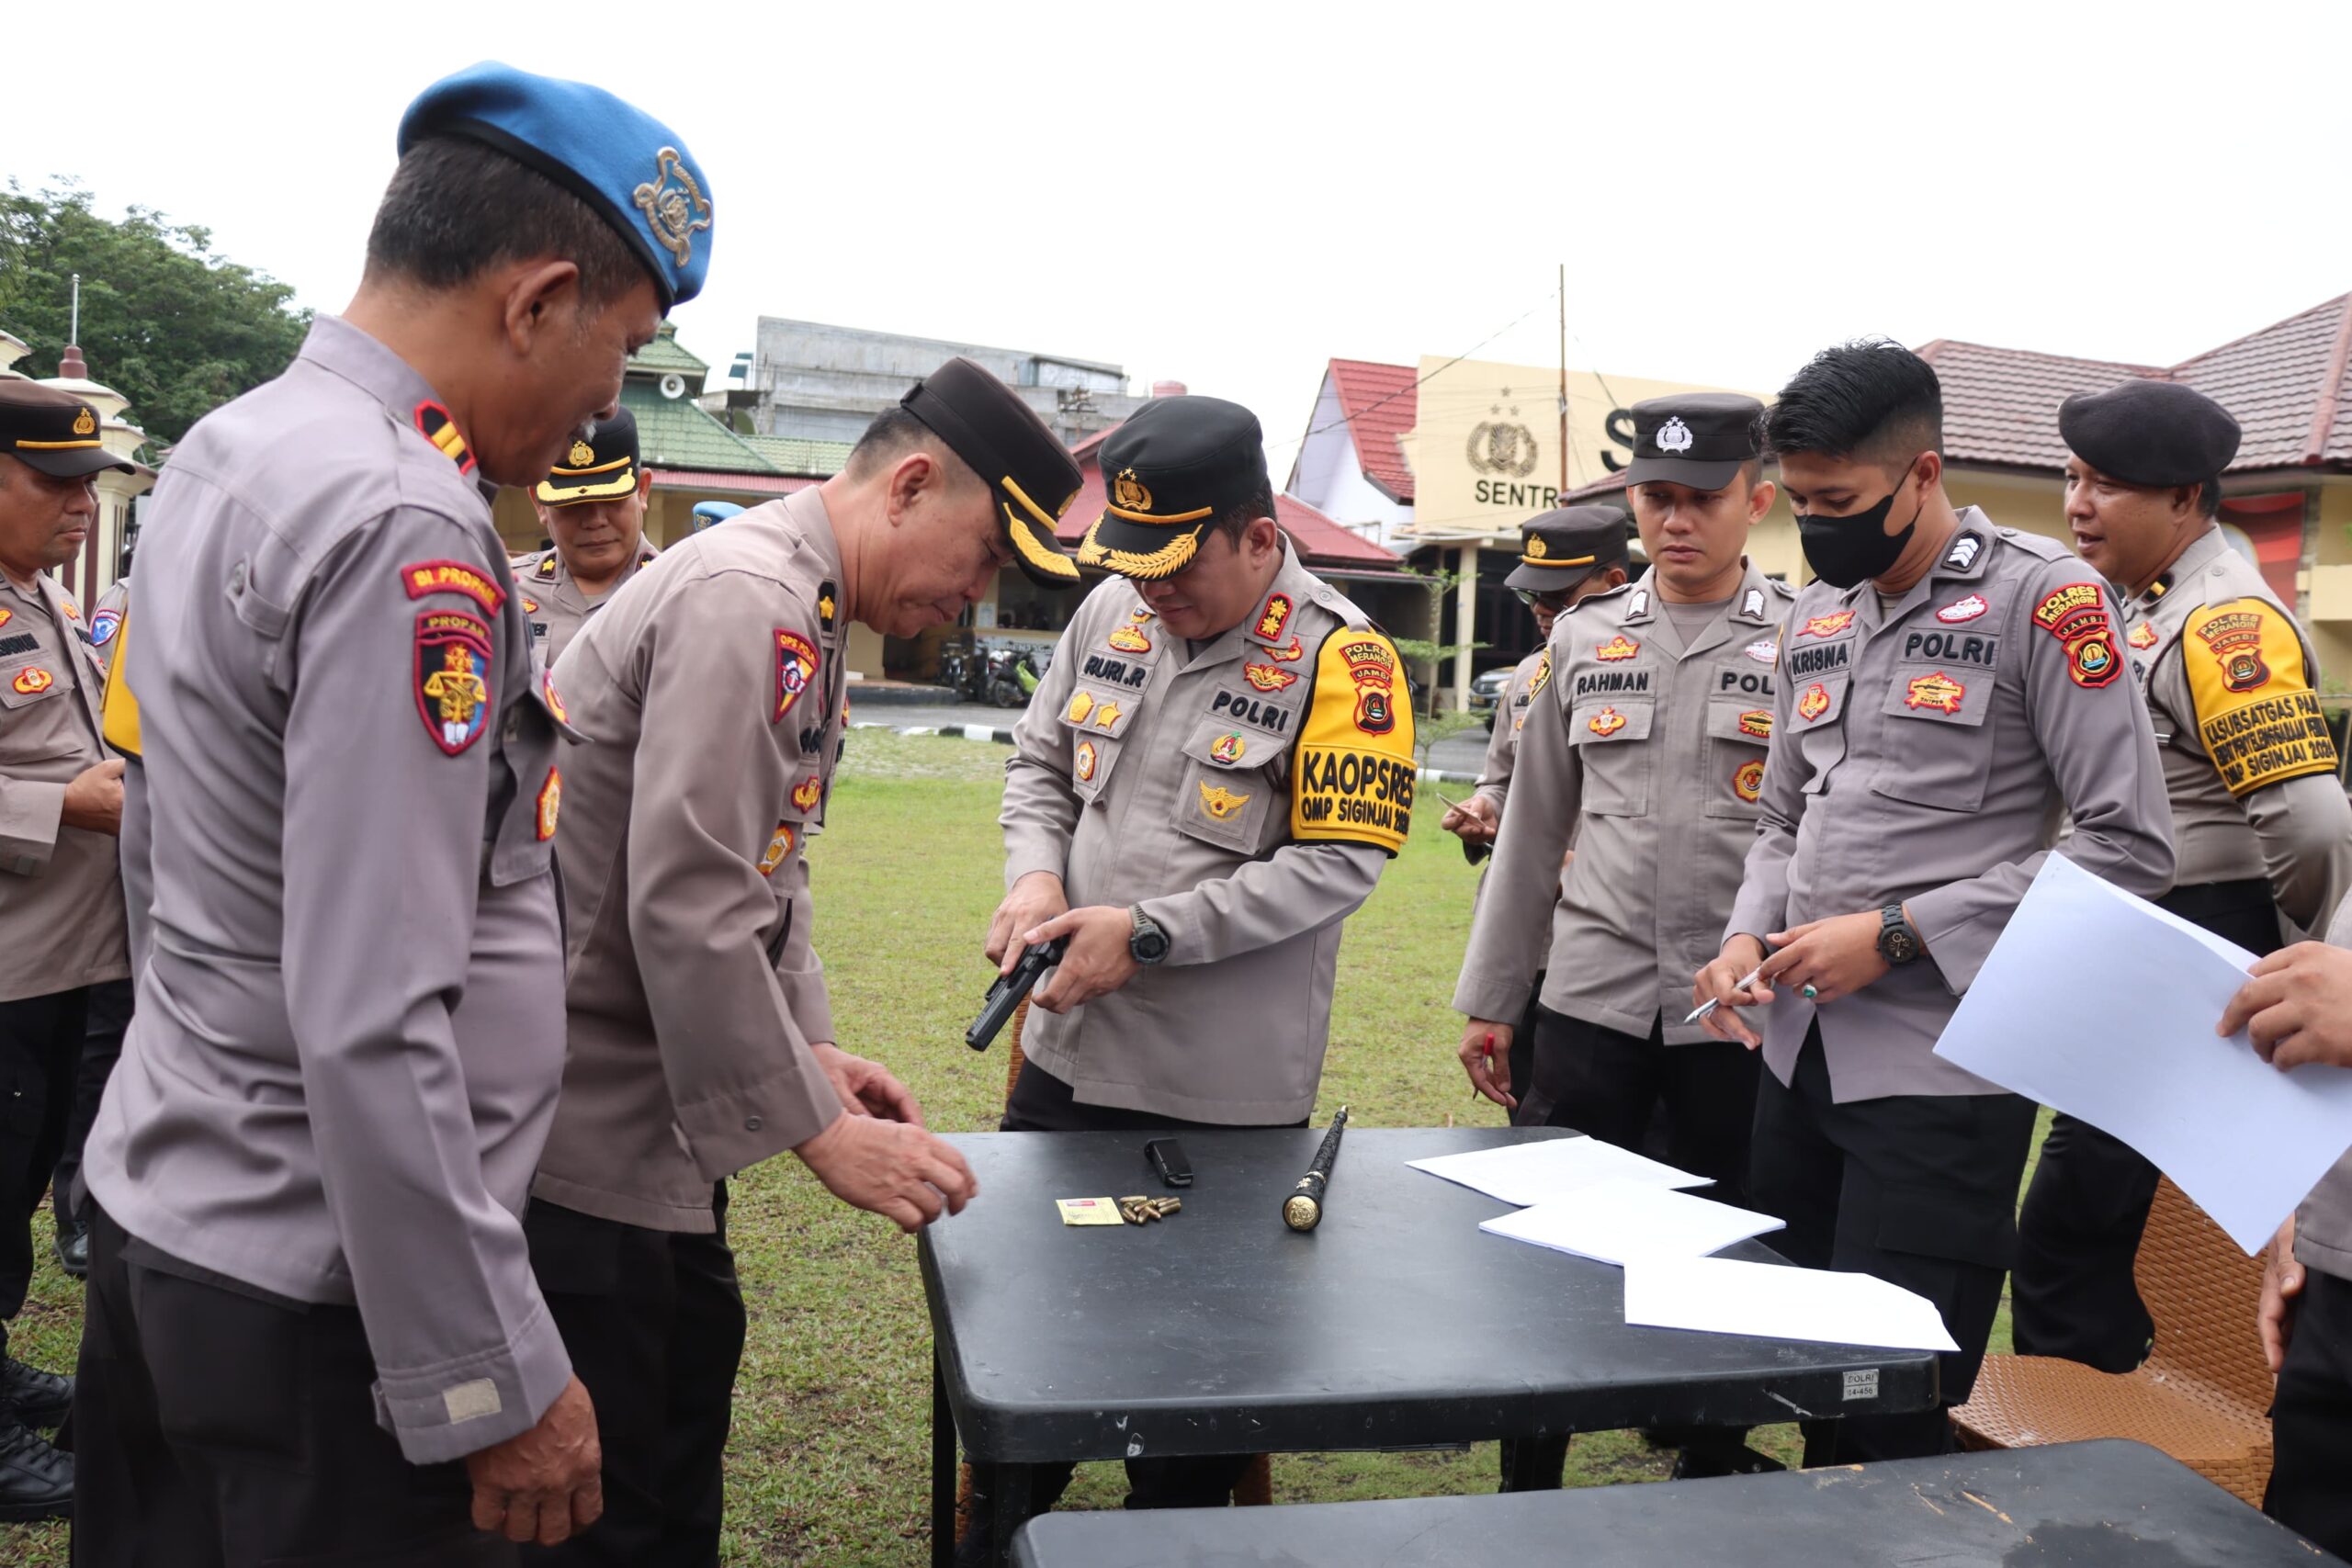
[{"x": 1303, "y": 1210}]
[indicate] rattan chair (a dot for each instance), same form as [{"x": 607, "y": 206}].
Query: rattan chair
[
  {"x": 1256, "y": 1487},
  {"x": 2203, "y": 1396}
]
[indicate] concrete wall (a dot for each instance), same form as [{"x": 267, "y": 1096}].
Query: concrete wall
[{"x": 819, "y": 382}]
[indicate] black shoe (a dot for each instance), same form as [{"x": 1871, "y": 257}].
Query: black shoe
[
  {"x": 36, "y": 1481},
  {"x": 72, "y": 1245},
  {"x": 32, "y": 1396}
]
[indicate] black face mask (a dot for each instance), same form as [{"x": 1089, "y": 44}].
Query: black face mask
[{"x": 1846, "y": 550}]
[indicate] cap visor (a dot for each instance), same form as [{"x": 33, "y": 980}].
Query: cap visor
[
  {"x": 1552, "y": 579},
  {"x": 603, "y": 488},
  {"x": 1142, "y": 550},
  {"x": 1691, "y": 471},
  {"x": 73, "y": 465},
  {"x": 1039, "y": 555}
]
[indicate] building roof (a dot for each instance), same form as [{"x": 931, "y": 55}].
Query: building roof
[
  {"x": 2001, "y": 404},
  {"x": 795, "y": 456},
  {"x": 748, "y": 484},
  {"x": 666, "y": 353},
  {"x": 672, "y": 432},
  {"x": 1380, "y": 403},
  {"x": 1320, "y": 542}
]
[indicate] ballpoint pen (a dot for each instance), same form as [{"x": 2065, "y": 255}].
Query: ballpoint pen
[{"x": 1705, "y": 1009}]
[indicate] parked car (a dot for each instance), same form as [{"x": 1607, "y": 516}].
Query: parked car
[{"x": 1487, "y": 692}]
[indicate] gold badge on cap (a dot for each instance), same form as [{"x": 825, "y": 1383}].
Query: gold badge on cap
[
  {"x": 674, "y": 211},
  {"x": 1129, "y": 491},
  {"x": 581, "y": 455},
  {"x": 84, "y": 424},
  {"x": 1537, "y": 547}
]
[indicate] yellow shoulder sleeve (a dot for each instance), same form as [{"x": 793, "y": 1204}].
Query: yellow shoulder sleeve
[
  {"x": 1352, "y": 780},
  {"x": 2257, "y": 713},
  {"x": 119, "y": 709}
]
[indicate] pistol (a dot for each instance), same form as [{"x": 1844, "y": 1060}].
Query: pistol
[{"x": 1006, "y": 994}]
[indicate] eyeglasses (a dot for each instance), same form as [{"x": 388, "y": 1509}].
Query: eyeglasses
[{"x": 1555, "y": 600}]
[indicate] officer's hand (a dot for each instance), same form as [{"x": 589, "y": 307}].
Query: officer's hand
[
  {"x": 1720, "y": 983},
  {"x": 1485, "y": 1056},
  {"x": 94, "y": 800},
  {"x": 2282, "y": 1281},
  {"x": 889, "y": 1168},
  {"x": 1836, "y": 956},
  {"x": 867, "y": 1088},
  {"x": 545, "y": 1484},
  {"x": 1097, "y": 962},
  {"x": 2297, "y": 1007},
  {"x": 1474, "y": 821},
  {"x": 1034, "y": 899}
]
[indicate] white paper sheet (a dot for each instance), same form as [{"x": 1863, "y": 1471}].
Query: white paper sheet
[
  {"x": 1723, "y": 1295},
  {"x": 1550, "y": 1169},
  {"x": 1618, "y": 1221},
  {"x": 2103, "y": 1006}
]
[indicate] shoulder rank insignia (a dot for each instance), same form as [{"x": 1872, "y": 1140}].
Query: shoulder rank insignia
[
  {"x": 551, "y": 804},
  {"x": 546, "y": 572},
  {"x": 1617, "y": 648},
  {"x": 796, "y": 665},
  {"x": 1747, "y": 782},
  {"x": 1964, "y": 551},
  {"x": 1266, "y": 678},
  {"x": 1129, "y": 640},
  {"x": 32, "y": 681},
  {"x": 1272, "y": 618},
  {"x": 73, "y": 611},
  {"x": 1220, "y": 801},
  {"x": 452, "y": 673},
  {"x": 829, "y": 599},
  {"x": 779, "y": 846},
  {"x": 434, "y": 422},
  {"x": 1751, "y": 604}
]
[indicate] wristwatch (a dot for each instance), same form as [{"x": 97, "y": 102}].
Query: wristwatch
[
  {"x": 1897, "y": 943},
  {"x": 1147, "y": 943}
]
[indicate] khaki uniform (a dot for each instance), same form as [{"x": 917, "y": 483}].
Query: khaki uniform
[
  {"x": 1924, "y": 753},
  {"x": 60, "y": 888},
  {"x": 2248, "y": 765},
  {"x": 1247, "y": 797},
  {"x": 714, "y": 697},
  {"x": 1502, "y": 746},
  {"x": 553, "y": 600},
  {"x": 1652, "y": 753},
  {"x": 334, "y": 1098}
]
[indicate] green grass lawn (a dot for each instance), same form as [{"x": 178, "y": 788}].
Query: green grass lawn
[{"x": 830, "y": 1458}]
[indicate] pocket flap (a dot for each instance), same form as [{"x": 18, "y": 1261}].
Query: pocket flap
[
  {"x": 1225, "y": 745},
  {"x": 1730, "y": 718},
  {"x": 1944, "y": 694},
  {"x": 1608, "y": 723},
  {"x": 32, "y": 679},
  {"x": 1090, "y": 711}
]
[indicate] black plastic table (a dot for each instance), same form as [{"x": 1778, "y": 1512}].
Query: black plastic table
[
  {"x": 2103, "y": 1505},
  {"x": 1397, "y": 1323}
]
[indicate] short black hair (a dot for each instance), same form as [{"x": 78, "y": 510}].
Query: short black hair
[
  {"x": 2208, "y": 497},
  {"x": 457, "y": 208},
  {"x": 893, "y": 434},
  {"x": 1871, "y": 400},
  {"x": 1236, "y": 518}
]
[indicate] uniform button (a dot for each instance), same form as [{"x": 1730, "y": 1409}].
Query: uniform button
[{"x": 750, "y": 1123}]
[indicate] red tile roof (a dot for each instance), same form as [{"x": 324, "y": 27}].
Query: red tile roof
[
  {"x": 1320, "y": 542},
  {"x": 714, "y": 479},
  {"x": 1380, "y": 403},
  {"x": 2001, "y": 404}
]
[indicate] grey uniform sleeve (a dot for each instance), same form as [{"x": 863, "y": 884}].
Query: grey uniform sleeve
[
  {"x": 798, "y": 969},
  {"x": 1502, "y": 746},
  {"x": 1511, "y": 931},
  {"x": 2305, "y": 827},
  {"x": 1298, "y": 888},
  {"x": 30, "y": 813},
  {"x": 1762, "y": 905},
  {"x": 383, "y": 847},
  {"x": 1040, "y": 812},
  {"x": 2100, "y": 748},
  {"x": 712, "y": 780}
]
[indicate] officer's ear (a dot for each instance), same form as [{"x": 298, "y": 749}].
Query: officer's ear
[
  {"x": 1262, "y": 538},
  {"x": 1761, "y": 496},
  {"x": 538, "y": 298},
  {"x": 1930, "y": 467}
]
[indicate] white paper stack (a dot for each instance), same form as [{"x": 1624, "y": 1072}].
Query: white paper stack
[
  {"x": 1619, "y": 1221},
  {"x": 1552, "y": 1169},
  {"x": 1721, "y": 1295}
]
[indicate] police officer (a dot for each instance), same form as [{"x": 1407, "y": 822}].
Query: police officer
[
  {"x": 1565, "y": 556},
  {"x": 60, "y": 896},
  {"x": 1943, "y": 692},
  {"x": 2260, "y": 825},
  {"x": 309, "y": 1294},
  {"x": 1209, "y": 781},
  {"x": 701, "y": 1037},
  {"x": 592, "y": 506},
  {"x": 2298, "y": 1008}
]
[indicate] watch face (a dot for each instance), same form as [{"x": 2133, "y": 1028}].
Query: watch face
[{"x": 1896, "y": 945}]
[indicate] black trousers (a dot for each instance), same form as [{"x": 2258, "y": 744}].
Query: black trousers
[
  {"x": 2311, "y": 1417},
  {"x": 654, "y": 1322},
  {"x": 1522, "y": 1046},
  {"x": 221, "y": 1426},
  {"x": 2073, "y": 1295},
  {"x": 1608, "y": 1084},
  {"x": 1917, "y": 1190},
  {"x": 40, "y": 1041},
  {"x": 1041, "y": 1102},
  {"x": 108, "y": 1020}
]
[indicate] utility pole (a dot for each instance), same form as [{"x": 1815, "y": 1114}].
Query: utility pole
[{"x": 1564, "y": 381}]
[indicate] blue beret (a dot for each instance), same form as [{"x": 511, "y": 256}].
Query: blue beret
[{"x": 621, "y": 161}]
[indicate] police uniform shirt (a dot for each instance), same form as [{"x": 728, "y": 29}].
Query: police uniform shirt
[
  {"x": 349, "y": 1029},
  {"x": 2249, "y": 767},
  {"x": 1924, "y": 753},
  {"x": 1247, "y": 797},
  {"x": 2323, "y": 1222},
  {"x": 713, "y": 695},
  {"x": 61, "y": 891},
  {"x": 1651, "y": 750},
  {"x": 1502, "y": 746},
  {"x": 552, "y": 599}
]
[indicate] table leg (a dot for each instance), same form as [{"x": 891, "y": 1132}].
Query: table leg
[
  {"x": 1013, "y": 1487},
  {"x": 1535, "y": 1463},
  {"x": 943, "y": 1471}
]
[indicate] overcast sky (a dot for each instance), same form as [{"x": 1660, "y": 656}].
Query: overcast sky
[{"x": 1231, "y": 194}]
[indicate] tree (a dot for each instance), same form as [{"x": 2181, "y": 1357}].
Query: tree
[
  {"x": 173, "y": 327},
  {"x": 1422, "y": 651}
]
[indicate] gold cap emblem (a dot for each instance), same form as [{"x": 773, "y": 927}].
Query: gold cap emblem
[
  {"x": 581, "y": 455},
  {"x": 85, "y": 422},
  {"x": 1536, "y": 547},
  {"x": 674, "y": 211},
  {"x": 1129, "y": 491}
]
